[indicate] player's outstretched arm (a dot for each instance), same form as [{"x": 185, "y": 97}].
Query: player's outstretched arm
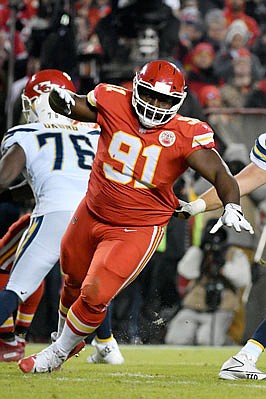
[
  {"x": 249, "y": 179},
  {"x": 72, "y": 105},
  {"x": 209, "y": 165}
]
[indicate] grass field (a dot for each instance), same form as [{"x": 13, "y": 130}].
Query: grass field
[{"x": 149, "y": 372}]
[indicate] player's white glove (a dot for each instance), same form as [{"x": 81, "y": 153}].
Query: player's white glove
[
  {"x": 61, "y": 98},
  {"x": 233, "y": 217},
  {"x": 187, "y": 209}
]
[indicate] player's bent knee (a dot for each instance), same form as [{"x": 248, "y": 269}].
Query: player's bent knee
[
  {"x": 72, "y": 293},
  {"x": 93, "y": 298}
]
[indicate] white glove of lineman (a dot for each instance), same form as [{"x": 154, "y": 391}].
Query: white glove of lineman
[
  {"x": 187, "y": 209},
  {"x": 233, "y": 217},
  {"x": 62, "y": 98}
]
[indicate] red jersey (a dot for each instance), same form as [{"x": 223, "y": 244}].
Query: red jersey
[{"x": 132, "y": 177}]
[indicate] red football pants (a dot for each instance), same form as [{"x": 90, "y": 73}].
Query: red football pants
[{"x": 98, "y": 261}]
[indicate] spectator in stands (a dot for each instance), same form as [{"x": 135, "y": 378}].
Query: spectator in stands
[
  {"x": 200, "y": 67},
  {"x": 215, "y": 23},
  {"x": 210, "y": 99},
  {"x": 235, "y": 9},
  {"x": 239, "y": 84},
  {"x": 236, "y": 38}
]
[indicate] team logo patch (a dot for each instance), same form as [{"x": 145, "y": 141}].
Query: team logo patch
[{"x": 167, "y": 138}]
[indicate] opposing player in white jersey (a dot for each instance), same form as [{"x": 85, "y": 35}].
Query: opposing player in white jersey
[
  {"x": 55, "y": 155},
  {"x": 243, "y": 364}
]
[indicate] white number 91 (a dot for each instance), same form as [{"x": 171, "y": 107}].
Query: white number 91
[{"x": 126, "y": 149}]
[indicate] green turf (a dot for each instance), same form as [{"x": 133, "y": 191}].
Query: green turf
[{"x": 149, "y": 372}]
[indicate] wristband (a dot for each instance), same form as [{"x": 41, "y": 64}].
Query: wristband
[{"x": 197, "y": 206}]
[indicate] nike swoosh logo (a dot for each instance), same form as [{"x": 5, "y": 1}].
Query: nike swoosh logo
[
  {"x": 241, "y": 364},
  {"x": 128, "y": 230}
]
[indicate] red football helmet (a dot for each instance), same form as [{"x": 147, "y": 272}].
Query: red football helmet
[
  {"x": 35, "y": 105},
  {"x": 160, "y": 77}
]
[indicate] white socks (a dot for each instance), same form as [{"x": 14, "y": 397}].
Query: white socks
[
  {"x": 68, "y": 340},
  {"x": 61, "y": 323},
  {"x": 252, "y": 349}
]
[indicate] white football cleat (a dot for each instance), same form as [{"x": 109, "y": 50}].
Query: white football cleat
[
  {"x": 241, "y": 367},
  {"x": 106, "y": 352},
  {"x": 48, "y": 360}
]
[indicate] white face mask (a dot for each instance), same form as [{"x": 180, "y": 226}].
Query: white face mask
[{"x": 149, "y": 115}]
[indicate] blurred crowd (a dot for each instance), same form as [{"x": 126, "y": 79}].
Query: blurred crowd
[{"x": 220, "y": 46}]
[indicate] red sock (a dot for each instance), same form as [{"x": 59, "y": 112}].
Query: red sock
[
  {"x": 82, "y": 320},
  {"x": 26, "y": 310}
]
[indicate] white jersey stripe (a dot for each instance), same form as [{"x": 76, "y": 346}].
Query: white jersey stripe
[{"x": 202, "y": 139}]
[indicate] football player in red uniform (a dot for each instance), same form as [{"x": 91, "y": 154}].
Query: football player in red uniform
[{"x": 144, "y": 146}]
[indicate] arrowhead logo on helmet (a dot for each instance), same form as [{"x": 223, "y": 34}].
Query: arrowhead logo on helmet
[{"x": 44, "y": 87}]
